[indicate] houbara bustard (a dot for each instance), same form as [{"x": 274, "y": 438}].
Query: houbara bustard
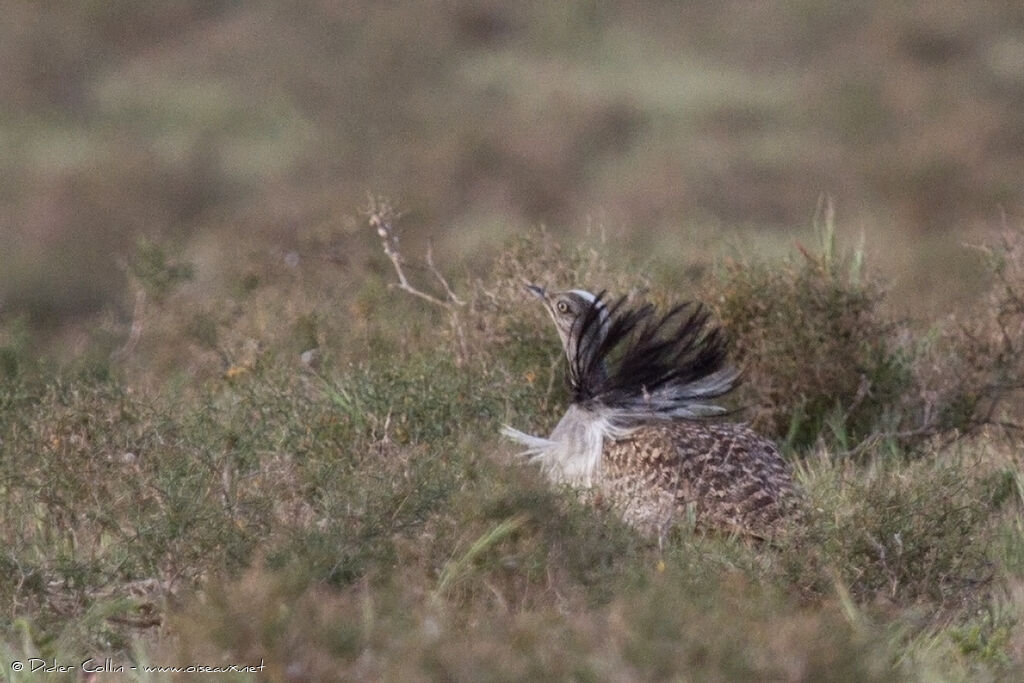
[{"x": 636, "y": 435}]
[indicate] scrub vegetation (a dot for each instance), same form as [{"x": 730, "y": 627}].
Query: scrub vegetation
[
  {"x": 228, "y": 435},
  {"x": 334, "y": 512}
]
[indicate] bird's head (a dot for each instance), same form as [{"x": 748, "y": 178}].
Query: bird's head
[{"x": 568, "y": 310}]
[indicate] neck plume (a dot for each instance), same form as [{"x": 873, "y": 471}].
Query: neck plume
[{"x": 638, "y": 365}]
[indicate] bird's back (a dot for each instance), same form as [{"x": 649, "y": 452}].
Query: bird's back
[{"x": 718, "y": 476}]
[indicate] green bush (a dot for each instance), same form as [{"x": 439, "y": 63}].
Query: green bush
[
  {"x": 819, "y": 354},
  {"x": 824, "y": 358}
]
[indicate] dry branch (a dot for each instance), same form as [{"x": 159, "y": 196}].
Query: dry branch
[{"x": 382, "y": 218}]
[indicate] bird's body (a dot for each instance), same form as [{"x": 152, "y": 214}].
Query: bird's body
[
  {"x": 634, "y": 437},
  {"x": 715, "y": 476}
]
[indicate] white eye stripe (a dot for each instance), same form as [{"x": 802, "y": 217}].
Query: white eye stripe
[{"x": 583, "y": 294}]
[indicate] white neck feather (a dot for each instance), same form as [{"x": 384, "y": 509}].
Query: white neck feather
[{"x": 572, "y": 454}]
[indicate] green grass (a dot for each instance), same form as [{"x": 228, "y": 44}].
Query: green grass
[
  {"x": 225, "y": 439},
  {"x": 361, "y": 518}
]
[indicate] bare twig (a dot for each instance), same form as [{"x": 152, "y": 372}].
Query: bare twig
[
  {"x": 444, "y": 283},
  {"x": 382, "y": 217}
]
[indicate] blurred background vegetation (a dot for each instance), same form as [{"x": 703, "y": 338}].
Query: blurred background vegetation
[{"x": 222, "y": 129}]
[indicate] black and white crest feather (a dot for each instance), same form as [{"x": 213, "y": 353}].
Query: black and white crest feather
[{"x": 643, "y": 365}]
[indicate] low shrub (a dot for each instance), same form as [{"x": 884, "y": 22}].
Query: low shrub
[{"x": 825, "y": 359}]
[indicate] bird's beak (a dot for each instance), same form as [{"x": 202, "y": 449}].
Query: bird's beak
[{"x": 535, "y": 290}]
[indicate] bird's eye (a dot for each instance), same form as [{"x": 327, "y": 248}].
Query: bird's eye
[{"x": 562, "y": 307}]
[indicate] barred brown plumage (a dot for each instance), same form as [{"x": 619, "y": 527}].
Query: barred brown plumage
[
  {"x": 727, "y": 476},
  {"x": 634, "y": 435}
]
